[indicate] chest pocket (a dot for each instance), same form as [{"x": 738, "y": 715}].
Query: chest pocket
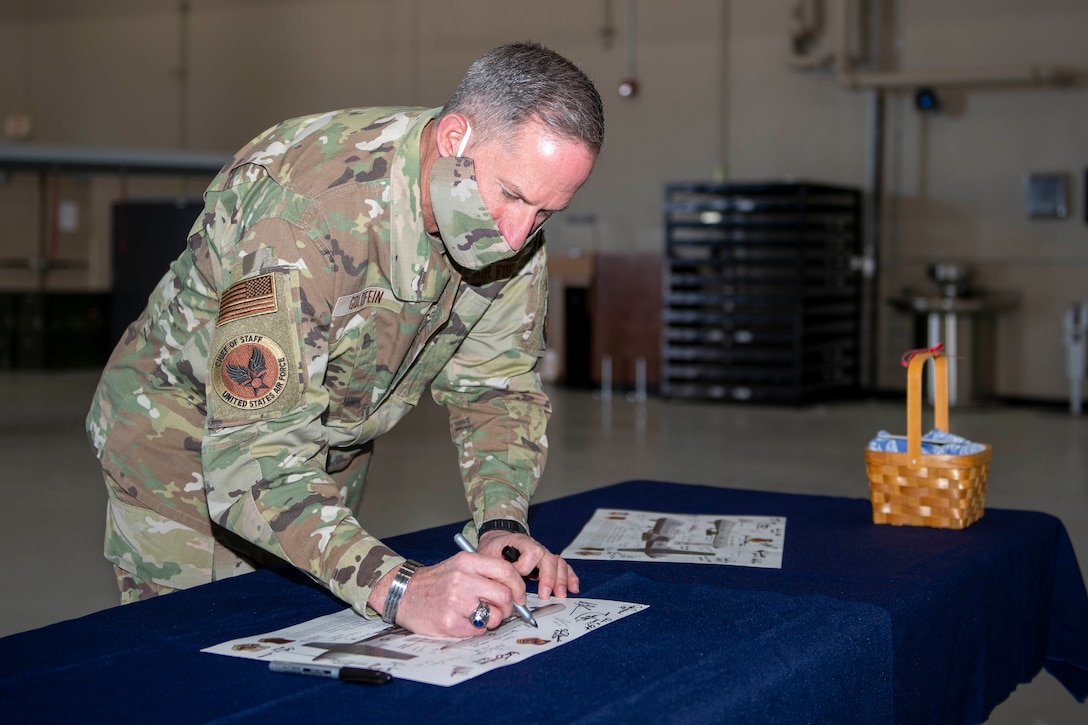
[
  {"x": 382, "y": 353},
  {"x": 373, "y": 348},
  {"x": 441, "y": 347}
]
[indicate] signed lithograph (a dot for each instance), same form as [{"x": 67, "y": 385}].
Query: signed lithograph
[{"x": 345, "y": 639}]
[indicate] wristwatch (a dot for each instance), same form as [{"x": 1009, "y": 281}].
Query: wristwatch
[{"x": 502, "y": 525}]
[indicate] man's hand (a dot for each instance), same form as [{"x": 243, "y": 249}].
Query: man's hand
[
  {"x": 440, "y": 599},
  {"x": 556, "y": 576}
]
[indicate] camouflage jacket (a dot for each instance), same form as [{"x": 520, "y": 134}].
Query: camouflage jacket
[{"x": 307, "y": 316}]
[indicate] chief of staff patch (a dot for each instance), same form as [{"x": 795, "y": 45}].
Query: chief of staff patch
[{"x": 249, "y": 372}]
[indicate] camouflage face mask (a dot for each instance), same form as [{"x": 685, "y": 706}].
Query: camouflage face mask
[{"x": 469, "y": 232}]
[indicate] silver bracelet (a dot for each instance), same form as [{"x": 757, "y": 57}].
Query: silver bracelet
[{"x": 396, "y": 590}]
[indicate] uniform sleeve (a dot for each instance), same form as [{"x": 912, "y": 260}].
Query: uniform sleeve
[
  {"x": 498, "y": 409},
  {"x": 264, "y": 449}
]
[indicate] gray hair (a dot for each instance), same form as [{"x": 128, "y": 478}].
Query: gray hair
[{"x": 520, "y": 82}]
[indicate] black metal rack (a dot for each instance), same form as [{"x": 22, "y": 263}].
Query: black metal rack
[{"x": 762, "y": 298}]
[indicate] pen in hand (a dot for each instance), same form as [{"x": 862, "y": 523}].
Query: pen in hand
[{"x": 522, "y": 611}]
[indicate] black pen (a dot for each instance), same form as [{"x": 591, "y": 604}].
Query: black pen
[
  {"x": 344, "y": 674},
  {"x": 522, "y": 610}
]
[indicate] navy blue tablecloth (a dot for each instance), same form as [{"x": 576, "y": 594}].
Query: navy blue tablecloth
[{"x": 863, "y": 623}]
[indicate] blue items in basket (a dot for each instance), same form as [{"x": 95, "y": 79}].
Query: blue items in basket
[{"x": 936, "y": 442}]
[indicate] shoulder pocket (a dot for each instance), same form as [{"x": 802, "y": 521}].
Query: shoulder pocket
[{"x": 255, "y": 356}]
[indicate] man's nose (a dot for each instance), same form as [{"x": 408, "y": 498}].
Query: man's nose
[{"x": 518, "y": 226}]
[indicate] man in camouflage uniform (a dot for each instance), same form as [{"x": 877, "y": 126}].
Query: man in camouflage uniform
[{"x": 344, "y": 263}]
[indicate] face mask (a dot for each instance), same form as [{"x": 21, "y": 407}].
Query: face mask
[{"x": 469, "y": 232}]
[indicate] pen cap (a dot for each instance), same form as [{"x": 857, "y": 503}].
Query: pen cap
[{"x": 365, "y": 677}]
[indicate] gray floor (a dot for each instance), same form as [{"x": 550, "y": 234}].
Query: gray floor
[{"x": 51, "y": 521}]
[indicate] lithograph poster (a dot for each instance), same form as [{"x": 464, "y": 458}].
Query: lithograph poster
[
  {"x": 345, "y": 639},
  {"x": 613, "y": 535}
]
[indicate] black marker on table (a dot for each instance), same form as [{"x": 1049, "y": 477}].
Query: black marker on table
[{"x": 344, "y": 674}]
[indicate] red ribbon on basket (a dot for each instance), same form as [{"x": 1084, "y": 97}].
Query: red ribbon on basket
[{"x": 909, "y": 354}]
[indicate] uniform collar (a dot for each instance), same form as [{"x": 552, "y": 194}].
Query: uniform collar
[{"x": 418, "y": 268}]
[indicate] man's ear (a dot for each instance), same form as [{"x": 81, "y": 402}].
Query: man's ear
[{"x": 451, "y": 129}]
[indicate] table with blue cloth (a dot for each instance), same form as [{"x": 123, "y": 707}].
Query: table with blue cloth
[{"x": 862, "y": 624}]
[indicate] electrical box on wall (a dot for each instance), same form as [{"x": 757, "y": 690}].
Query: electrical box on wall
[
  {"x": 1047, "y": 196},
  {"x": 17, "y": 127}
]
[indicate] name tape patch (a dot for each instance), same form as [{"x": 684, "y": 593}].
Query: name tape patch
[{"x": 369, "y": 297}]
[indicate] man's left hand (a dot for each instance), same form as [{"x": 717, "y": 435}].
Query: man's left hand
[{"x": 555, "y": 575}]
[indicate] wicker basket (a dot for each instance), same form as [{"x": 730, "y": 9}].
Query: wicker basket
[{"x": 917, "y": 489}]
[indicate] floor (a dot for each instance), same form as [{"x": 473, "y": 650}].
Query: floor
[{"x": 51, "y": 524}]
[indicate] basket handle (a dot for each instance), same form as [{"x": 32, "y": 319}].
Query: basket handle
[{"x": 914, "y": 402}]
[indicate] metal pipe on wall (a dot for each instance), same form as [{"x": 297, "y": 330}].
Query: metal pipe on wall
[
  {"x": 631, "y": 23},
  {"x": 870, "y": 260}
]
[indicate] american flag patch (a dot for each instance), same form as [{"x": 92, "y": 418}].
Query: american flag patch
[{"x": 248, "y": 297}]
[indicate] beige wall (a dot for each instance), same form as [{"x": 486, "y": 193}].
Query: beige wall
[{"x": 717, "y": 95}]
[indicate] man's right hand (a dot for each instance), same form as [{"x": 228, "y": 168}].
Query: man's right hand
[{"x": 440, "y": 599}]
